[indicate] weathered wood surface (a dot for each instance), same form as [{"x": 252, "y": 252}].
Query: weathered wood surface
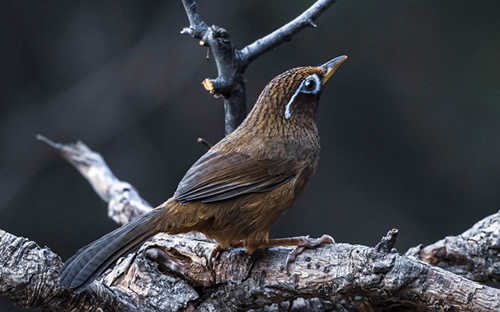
[{"x": 171, "y": 273}]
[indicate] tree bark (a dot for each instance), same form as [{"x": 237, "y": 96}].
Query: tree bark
[{"x": 172, "y": 272}]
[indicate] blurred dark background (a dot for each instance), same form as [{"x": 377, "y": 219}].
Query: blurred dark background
[{"x": 409, "y": 125}]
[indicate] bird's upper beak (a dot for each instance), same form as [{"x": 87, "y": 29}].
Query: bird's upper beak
[{"x": 331, "y": 67}]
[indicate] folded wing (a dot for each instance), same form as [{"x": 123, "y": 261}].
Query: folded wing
[{"x": 220, "y": 176}]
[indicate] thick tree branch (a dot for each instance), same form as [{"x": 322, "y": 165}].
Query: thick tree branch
[
  {"x": 474, "y": 254},
  {"x": 29, "y": 277},
  {"x": 231, "y": 63},
  {"x": 172, "y": 272},
  {"x": 353, "y": 275},
  {"x": 339, "y": 272}
]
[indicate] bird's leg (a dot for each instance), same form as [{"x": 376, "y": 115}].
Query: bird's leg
[{"x": 300, "y": 242}]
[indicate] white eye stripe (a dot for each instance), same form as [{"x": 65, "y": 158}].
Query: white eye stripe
[
  {"x": 288, "y": 114},
  {"x": 302, "y": 89}
]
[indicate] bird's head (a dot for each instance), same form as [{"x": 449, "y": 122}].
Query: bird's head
[{"x": 293, "y": 95}]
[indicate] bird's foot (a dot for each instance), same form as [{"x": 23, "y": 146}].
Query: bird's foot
[
  {"x": 306, "y": 242},
  {"x": 219, "y": 249}
]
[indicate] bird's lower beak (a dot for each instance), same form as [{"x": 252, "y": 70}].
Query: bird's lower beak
[{"x": 331, "y": 67}]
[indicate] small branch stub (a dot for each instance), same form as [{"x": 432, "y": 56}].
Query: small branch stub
[
  {"x": 387, "y": 242},
  {"x": 209, "y": 86},
  {"x": 207, "y": 144}
]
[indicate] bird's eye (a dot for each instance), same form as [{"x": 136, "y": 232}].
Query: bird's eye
[{"x": 311, "y": 84}]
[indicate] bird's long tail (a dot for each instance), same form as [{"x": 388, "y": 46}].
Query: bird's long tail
[{"x": 90, "y": 261}]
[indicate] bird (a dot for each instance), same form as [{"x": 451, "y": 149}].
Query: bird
[{"x": 240, "y": 186}]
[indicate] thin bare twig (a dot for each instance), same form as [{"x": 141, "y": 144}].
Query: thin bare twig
[{"x": 285, "y": 32}]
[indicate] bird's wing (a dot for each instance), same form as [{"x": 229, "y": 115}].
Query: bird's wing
[{"x": 219, "y": 176}]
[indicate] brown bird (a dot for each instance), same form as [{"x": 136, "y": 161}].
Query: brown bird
[{"x": 238, "y": 189}]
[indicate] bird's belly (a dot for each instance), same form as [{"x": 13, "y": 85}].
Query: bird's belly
[{"x": 231, "y": 221}]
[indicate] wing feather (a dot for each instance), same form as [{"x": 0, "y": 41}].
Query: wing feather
[{"x": 220, "y": 176}]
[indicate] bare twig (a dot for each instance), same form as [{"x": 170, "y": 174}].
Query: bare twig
[
  {"x": 231, "y": 63},
  {"x": 285, "y": 32},
  {"x": 124, "y": 202}
]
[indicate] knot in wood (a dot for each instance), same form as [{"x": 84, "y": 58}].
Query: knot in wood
[
  {"x": 219, "y": 32},
  {"x": 387, "y": 242}
]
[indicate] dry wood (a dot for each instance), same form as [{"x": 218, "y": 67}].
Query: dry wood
[{"x": 171, "y": 273}]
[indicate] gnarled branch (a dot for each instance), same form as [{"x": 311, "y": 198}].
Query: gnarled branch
[
  {"x": 29, "y": 277},
  {"x": 173, "y": 273}
]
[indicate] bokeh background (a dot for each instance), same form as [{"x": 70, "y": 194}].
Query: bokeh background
[{"x": 409, "y": 125}]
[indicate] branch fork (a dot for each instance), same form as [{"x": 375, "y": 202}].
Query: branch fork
[{"x": 231, "y": 63}]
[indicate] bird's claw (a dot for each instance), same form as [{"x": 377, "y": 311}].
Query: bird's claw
[{"x": 308, "y": 243}]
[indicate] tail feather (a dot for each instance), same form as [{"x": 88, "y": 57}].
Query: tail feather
[{"x": 90, "y": 261}]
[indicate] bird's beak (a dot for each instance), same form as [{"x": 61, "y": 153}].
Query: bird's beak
[{"x": 331, "y": 67}]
